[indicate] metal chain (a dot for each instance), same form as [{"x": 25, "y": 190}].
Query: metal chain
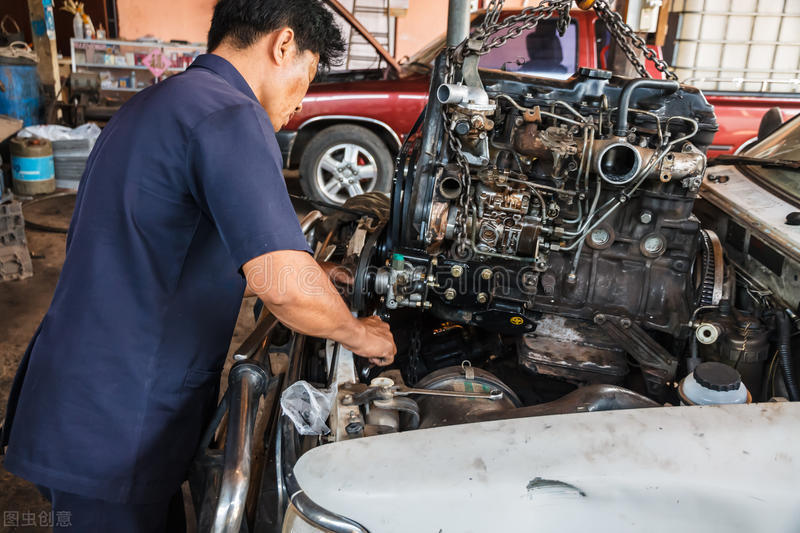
[
  {"x": 527, "y": 19},
  {"x": 454, "y": 143},
  {"x": 627, "y": 39},
  {"x": 413, "y": 353}
]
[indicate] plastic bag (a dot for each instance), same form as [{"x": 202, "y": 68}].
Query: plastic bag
[
  {"x": 308, "y": 407},
  {"x": 51, "y": 132}
]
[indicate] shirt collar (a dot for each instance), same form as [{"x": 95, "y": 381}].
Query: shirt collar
[{"x": 226, "y": 70}]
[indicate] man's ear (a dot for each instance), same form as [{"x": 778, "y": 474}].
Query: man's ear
[{"x": 283, "y": 46}]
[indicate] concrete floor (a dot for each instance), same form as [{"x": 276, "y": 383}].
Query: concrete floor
[{"x": 22, "y": 306}]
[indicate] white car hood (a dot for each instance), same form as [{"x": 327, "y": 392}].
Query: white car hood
[{"x": 673, "y": 469}]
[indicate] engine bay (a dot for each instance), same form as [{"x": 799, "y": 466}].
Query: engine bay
[{"x": 540, "y": 254}]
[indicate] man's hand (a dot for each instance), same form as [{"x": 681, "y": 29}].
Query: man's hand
[
  {"x": 376, "y": 343},
  {"x": 298, "y": 292}
]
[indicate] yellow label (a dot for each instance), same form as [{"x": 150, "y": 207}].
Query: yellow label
[{"x": 516, "y": 320}]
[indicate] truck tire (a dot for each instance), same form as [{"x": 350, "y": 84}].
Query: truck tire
[{"x": 344, "y": 161}]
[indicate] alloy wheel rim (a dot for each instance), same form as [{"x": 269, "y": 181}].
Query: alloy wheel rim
[{"x": 346, "y": 170}]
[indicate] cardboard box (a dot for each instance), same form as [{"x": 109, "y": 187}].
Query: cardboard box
[{"x": 9, "y": 126}]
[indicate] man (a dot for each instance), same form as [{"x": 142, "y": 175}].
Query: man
[{"x": 182, "y": 204}]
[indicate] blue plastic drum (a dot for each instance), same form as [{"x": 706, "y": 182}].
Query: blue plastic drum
[{"x": 19, "y": 90}]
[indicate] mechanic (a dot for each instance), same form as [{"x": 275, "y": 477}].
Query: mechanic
[{"x": 183, "y": 205}]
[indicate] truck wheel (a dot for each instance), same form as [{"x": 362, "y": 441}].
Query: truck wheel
[{"x": 344, "y": 161}]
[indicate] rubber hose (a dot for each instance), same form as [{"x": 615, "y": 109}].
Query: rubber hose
[{"x": 785, "y": 354}]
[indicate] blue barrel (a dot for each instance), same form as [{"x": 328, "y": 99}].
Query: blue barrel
[{"x": 19, "y": 90}]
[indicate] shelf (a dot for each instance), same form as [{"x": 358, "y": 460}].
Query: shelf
[
  {"x": 124, "y": 67},
  {"x": 137, "y": 43},
  {"x": 127, "y": 49}
]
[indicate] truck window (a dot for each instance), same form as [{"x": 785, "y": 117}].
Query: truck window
[{"x": 539, "y": 51}]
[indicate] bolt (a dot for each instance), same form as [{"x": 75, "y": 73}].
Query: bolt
[
  {"x": 625, "y": 322},
  {"x": 645, "y": 217},
  {"x": 600, "y": 237},
  {"x": 449, "y": 294},
  {"x": 599, "y": 319},
  {"x": 486, "y": 274},
  {"x": 456, "y": 271},
  {"x": 483, "y": 297}
]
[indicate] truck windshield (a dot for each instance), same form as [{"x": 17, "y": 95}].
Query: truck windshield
[
  {"x": 783, "y": 144},
  {"x": 540, "y": 51}
]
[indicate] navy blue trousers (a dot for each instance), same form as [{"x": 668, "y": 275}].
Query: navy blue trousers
[{"x": 79, "y": 514}]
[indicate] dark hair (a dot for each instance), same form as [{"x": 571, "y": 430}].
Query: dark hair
[{"x": 245, "y": 21}]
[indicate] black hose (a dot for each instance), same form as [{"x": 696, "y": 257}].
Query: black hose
[
  {"x": 785, "y": 354},
  {"x": 627, "y": 92}
]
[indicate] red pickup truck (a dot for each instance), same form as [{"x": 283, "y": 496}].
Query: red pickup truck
[{"x": 352, "y": 124}]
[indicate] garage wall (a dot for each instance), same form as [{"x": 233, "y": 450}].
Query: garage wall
[
  {"x": 425, "y": 21},
  {"x": 172, "y": 19},
  {"x": 189, "y": 20}
]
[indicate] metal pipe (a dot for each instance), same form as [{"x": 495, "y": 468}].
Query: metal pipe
[
  {"x": 309, "y": 220},
  {"x": 457, "y": 22},
  {"x": 583, "y": 400},
  {"x": 247, "y": 382},
  {"x": 452, "y": 93}
]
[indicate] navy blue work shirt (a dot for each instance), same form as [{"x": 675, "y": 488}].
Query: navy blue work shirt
[{"x": 183, "y": 187}]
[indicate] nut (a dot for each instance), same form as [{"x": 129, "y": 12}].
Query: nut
[
  {"x": 645, "y": 217},
  {"x": 486, "y": 274},
  {"x": 449, "y": 294},
  {"x": 456, "y": 271},
  {"x": 483, "y": 297}
]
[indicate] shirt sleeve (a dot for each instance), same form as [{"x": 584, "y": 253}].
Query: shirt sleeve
[{"x": 237, "y": 179}]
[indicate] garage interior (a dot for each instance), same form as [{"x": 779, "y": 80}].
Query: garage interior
[{"x": 743, "y": 54}]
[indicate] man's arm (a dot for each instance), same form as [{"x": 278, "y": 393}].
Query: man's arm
[{"x": 298, "y": 292}]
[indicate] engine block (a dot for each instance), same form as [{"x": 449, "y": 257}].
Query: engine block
[{"x": 531, "y": 196}]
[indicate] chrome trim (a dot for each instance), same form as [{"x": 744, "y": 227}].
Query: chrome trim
[
  {"x": 305, "y": 506},
  {"x": 745, "y": 145},
  {"x": 355, "y": 118},
  {"x": 286, "y": 457}
]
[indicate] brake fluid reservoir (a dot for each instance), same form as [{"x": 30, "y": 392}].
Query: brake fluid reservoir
[{"x": 713, "y": 383}]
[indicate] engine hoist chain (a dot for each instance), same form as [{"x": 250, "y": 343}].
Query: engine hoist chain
[
  {"x": 414, "y": 352},
  {"x": 529, "y": 17},
  {"x": 462, "y": 245},
  {"x": 628, "y": 40}
]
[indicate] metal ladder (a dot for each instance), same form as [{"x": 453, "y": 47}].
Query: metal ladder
[{"x": 359, "y": 49}]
